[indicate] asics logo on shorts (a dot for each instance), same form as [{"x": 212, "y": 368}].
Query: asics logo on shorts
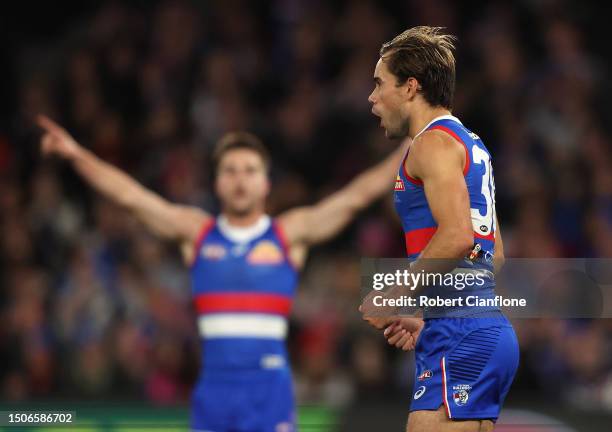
[{"x": 419, "y": 392}]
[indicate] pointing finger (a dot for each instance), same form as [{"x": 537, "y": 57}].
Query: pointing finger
[{"x": 48, "y": 124}]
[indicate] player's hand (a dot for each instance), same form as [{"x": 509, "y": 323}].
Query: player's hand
[
  {"x": 377, "y": 316},
  {"x": 403, "y": 332},
  {"x": 55, "y": 140}
]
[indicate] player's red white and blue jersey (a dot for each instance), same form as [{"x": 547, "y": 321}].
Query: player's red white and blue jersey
[
  {"x": 243, "y": 286},
  {"x": 419, "y": 225},
  {"x": 466, "y": 357}
]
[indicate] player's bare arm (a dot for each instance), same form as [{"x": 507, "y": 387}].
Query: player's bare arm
[
  {"x": 310, "y": 225},
  {"x": 402, "y": 332},
  {"x": 437, "y": 160},
  {"x": 166, "y": 220}
]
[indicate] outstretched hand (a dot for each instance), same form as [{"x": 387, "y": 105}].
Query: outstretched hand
[{"x": 55, "y": 140}]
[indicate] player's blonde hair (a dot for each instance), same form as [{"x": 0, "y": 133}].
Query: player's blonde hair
[{"x": 426, "y": 54}]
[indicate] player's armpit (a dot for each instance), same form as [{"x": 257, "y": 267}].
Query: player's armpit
[{"x": 193, "y": 220}]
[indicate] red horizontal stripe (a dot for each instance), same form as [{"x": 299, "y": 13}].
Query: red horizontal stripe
[
  {"x": 417, "y": 239},
  {"x": 242, "y": 302},
  {"x": 490, "y": 236}
]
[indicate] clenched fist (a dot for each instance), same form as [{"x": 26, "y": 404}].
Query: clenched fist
[{"x": 403, "y": 332}]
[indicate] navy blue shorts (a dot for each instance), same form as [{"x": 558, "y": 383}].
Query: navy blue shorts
[
  {"x": 465, "y": 364},
  {"x": 251, "y": 401}
]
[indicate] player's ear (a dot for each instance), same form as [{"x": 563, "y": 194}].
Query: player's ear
[
  {"x": 268, "y": 186},
  {"x": 216, "y": 184},
  {"x": 411, "y": 87}
]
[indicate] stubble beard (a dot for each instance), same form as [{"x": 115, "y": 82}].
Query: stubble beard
[{"x": 399, "y": 132}]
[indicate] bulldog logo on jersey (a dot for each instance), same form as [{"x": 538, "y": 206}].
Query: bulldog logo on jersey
[
  {"x": 399, "y": 184},
  {"x": 214, "y": 251},
  {"x": 461, "y": 394},
  {"x": 265, "y": 252}
]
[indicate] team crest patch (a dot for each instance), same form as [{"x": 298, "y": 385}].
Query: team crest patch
[
  {"x": 425, "y": 375},
  {"x": 265, "y": 252},
  {"x": 284, "y": 427},
  {"x": 214, "y": 251},
  {"x": 399, "y": 184},
  {"x": 461, "y": 394}
]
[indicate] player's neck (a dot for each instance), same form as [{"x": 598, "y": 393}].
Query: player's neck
[
  {"x": 423, "y": 117},
  {"x": 246, "y": 220}
]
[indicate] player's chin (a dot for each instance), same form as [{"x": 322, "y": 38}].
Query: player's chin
[{"x": 241, "y": 208}]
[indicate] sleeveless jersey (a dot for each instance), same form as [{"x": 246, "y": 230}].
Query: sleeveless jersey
[
  {"x": 419, "y": 225},
  {"x": 242, "y": 290}
]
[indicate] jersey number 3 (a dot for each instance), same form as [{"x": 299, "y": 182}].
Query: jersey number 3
[{"x": 484, "y": 225}]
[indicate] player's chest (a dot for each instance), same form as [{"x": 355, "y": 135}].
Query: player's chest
[{"x": 248, "y": 264}]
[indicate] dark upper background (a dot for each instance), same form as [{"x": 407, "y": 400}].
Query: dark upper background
[{"x": 92, "y": 307}]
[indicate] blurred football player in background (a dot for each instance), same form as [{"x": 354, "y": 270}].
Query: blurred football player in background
[{"x": 244, "y": 266}]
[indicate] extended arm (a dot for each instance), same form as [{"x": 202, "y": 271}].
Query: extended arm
[
  {"x": 166, "y": 220},
  {"x": 438, "y": 161},
  {"x": 320, "y": 222}
]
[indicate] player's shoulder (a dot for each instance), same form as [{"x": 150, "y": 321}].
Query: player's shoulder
[
  {"x": 290, "y": 221},
  {"x": 435, "y": 151},
  {"x": 433, "y": 141}
]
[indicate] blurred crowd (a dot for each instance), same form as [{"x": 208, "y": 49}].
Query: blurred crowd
[{"x": 91, "y": 306}]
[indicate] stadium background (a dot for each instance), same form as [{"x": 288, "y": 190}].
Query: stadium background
[{"x": 95, "y": 314}]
